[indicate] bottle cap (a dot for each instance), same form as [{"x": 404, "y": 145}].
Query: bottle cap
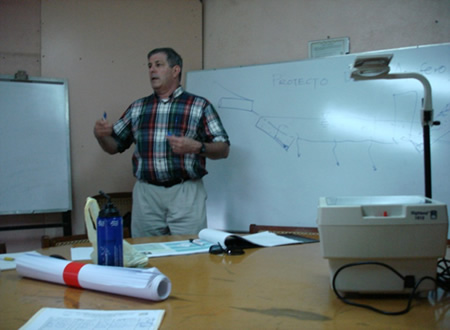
[{"x": 108, "y": 210}]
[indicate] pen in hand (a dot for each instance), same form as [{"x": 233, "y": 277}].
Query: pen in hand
[{"x": 104, "y": 115}]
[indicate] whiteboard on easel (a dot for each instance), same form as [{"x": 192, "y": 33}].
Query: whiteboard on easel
[
  {"x": 304, "y": 130},
  {"x": 35, "y": 172}
]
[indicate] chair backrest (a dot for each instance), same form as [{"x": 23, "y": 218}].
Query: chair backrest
[
  {"x": 47, "y": 242},
  {"x": 123, "y": 201},
  {"x": 3, "y": 248},
  {"x": 310, "y": 232}
]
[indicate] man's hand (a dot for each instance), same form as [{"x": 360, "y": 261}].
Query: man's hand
[
  {"x": 103, "y": 131},
  {"x": 183, "y": 145},
  {"x": 102, "y": 128}
]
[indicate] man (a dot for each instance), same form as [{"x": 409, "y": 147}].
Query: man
[{"x": 174, "y": 132}]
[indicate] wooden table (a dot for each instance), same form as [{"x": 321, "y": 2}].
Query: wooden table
[{"x": 284, "y": 287}]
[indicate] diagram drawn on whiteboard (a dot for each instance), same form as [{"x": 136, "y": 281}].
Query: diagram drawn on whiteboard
[{"x": 291, "y": 133}]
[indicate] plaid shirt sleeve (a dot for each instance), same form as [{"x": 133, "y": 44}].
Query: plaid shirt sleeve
[
  {"x": 123, "y": 128},
  {"x": 213, "y": 128}
]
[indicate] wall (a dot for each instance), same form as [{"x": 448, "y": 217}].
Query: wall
[
  {"x": 20, "y": 49},
  {"x": 20, "y": 36},
  {"x": 100, "y": 46},
  {"x": 263, "y": 31},
  {"x": 105, "y": 61},
  {"x": 252, "y": 32}
]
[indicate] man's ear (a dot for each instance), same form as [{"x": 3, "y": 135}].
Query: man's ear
[{"x": 176, "y": 71}]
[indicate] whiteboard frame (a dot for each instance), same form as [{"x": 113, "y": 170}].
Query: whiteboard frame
[{"x": 66, "y": 126}]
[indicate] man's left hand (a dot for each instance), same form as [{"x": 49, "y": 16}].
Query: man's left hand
[{"x": 184, "y": 145}]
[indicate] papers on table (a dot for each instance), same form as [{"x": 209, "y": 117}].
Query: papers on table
[
  {"x": 62, "y": 319},
  {"x": 263, "y": 239},
  {"x": 174, "y": 248},
  {"x": 81, "y": 253},
  {"x": 8, "y": 260},
  {"x": 162, "y": 249},
  {"x": 268, "y": 239},
  {"x": 207, "y": 237}
]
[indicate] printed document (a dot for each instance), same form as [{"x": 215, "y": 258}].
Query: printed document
[{"x": 64, "y": 319}]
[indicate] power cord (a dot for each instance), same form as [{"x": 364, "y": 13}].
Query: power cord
[
  {"x": 443, "y": 274},
  {"x": 442, "y": 280}
]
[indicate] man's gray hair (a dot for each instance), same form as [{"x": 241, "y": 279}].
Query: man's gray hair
[{"x": 173, "y": 58}]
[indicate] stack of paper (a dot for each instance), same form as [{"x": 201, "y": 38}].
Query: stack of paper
[{"x": 62, "y": 319}]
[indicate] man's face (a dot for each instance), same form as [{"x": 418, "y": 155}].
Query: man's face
[{"x": 163, "y": 78}]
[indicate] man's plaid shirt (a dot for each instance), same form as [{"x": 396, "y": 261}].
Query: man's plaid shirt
[{"x": 149, "y": 120}]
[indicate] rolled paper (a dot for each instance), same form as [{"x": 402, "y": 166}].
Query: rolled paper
[
  {"x": 70, "y": 273},
  {"x": 145, "y": 283}
]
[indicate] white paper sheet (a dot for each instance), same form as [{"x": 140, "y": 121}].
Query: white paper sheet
[
  {"x": 65, "y": 319},
  {"x": 207, "y": 237},
  {"x": 265, "y": 239},
  {"x": 147, "y": 283},
  {"x": 175, "y": 248},
  {"x": 81, "y": 253},
  {"x": 8, "y": 260}
]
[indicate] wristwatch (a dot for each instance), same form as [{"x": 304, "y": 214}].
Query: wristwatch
[{"x": 202, "y": 149}]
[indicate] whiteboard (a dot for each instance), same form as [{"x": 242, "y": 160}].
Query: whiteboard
[
  {"x": 303, "y": 130},
  {"x": 34, "y": 146}
]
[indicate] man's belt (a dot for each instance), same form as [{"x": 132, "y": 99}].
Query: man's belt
[{"x": 166, "y": 184}]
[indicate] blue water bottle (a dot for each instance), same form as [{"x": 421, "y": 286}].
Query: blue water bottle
[{"x": 109, "y": 235}]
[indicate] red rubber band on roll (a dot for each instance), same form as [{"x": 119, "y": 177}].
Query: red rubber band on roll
[{"x": 70, "y": 274}]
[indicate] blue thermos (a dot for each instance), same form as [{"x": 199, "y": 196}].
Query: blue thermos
[{"x": 109, "y": 235}]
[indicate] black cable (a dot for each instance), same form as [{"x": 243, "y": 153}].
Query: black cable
[{"x": 442, "y": 280}]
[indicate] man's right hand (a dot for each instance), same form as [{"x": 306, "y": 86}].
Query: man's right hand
[
  {"x": 102, "y": 128},
  {"x": 103, "y": 133}
]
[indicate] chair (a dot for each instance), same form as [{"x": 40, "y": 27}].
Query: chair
[
  {"x": 47, "y": 242},
  {"x": 2, "y": 248},
  {"x": 122, "y": 201},
  {"x": 309, "y": 232}
]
